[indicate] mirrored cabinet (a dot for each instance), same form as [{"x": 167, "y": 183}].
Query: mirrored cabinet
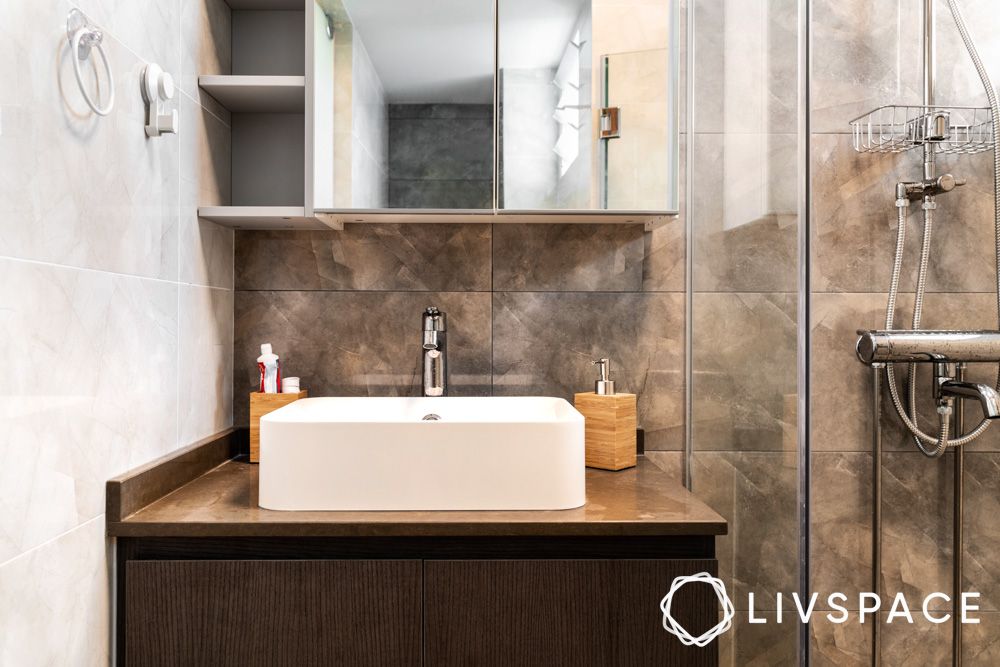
[{"x": 454, "y": 110}]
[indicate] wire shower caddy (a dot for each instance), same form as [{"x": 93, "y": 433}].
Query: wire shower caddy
[{"x": 896, "y": 128}]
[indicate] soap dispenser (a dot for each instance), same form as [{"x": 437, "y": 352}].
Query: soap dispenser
[{"x": 610, "y": 423}]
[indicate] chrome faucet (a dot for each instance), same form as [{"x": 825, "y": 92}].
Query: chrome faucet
[
  {"x": 435, "y": 360},
  {"x": 947, "y": 388}
]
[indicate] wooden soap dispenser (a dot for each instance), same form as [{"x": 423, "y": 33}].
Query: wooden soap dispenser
[{"x": 610, "y": 423}]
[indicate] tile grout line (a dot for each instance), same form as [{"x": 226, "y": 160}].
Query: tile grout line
[
  {"x": 118, "y": 274},
  {"x": 51, "y": 540},
  {"x": 135, "y": 54}
]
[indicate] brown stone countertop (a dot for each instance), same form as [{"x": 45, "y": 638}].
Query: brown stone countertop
[{"x": 222, "y": 502}]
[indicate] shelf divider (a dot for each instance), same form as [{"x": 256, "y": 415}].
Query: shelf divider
[{"x": 256, "y": 94}]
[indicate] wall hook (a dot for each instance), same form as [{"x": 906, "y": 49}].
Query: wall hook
[{"x": 157, "y": 88}]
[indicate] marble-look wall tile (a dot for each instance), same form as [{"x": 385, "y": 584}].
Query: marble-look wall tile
[
  {"x": 435, "y": 111},
  {"x": 92, "y": 391},
  {"x": 916, "y": 524},
  {"x": 864, "y": 55},
  {"x": 922, "y": 643},
  {"x": 671, "y": 463},
  {"x": 855, "y": 221},
  {"x": 981, "y": 550},
  {"x": 436, "y": 148},
  {"x": 764, "y": 644},
  {"x": 585, "y": 258},
  {"x": 745, "y": 80},
  {"x": 845, "y": 424},
  {"x": 543, "y": 343},
  {"x": 854, "y": 217},
  {"x": 149, "y": 28},
  {"x": 956, "y": 81},
  {"x": 358, "y": 343},
  {"x": 744, "y": 361},
  {"x": 840, "y": 545},
  {"x": 439, "y": 193},
  {"x": 664, "y": 255},
  {"x": 77, "y": 189},
  {"x": 64, "y": 584},
  {"x": 756, "y": 493},
  {"x": 440, "y": 156},
  {"x": 108, "y": 216},
  {"x": 205, "y": 354},
  {"x": 981, "y": 642},
  {"x": 841, "y": 402},
  {"x": 745, "y": 249},
  {"x": 832, "y": 644},
  {"x": 205, "y": 248},
  {"x": 367, "y": 257}
]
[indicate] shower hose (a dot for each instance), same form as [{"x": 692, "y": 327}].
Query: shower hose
[{"x": 935, "y": 445}]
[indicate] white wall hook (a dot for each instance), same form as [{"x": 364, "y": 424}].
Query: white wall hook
[{"x": 157, "y": 88}]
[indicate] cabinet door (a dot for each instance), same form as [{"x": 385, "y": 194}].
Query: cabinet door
[
  {"x": 341, "y": 612},
  {"x": 563, "y": 612}
]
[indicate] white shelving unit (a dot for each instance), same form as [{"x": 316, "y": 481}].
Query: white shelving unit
[
  {"x": 268, "y": 217},
  {"x": 256, "y": 94},
  {"x": 266, "y": 96}
]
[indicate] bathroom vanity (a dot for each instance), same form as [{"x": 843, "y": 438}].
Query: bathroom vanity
[{"x": 205, "y": 576}]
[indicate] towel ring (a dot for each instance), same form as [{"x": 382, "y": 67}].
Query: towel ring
[{"x": 83, "y": 40}]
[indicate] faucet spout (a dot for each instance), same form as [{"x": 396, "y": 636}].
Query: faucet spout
[
  {"x": 435, "y": 353},
  {"x": 987, "y": 396}
]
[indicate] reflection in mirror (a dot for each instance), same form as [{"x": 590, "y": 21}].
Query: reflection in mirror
[
  {"x": 587, "y": 93},
  {"x": 412, "y": 104}
]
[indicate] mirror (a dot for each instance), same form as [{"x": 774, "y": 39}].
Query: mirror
[
  {"x": 402, "y": 100},
  {"x": 403, "y": 92},
  {"x": 587, "y": 92}
]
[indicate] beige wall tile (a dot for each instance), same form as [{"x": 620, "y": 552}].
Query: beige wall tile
[
  {"x": 57, "y": 607},
  {"x": 92, "y": 386}
]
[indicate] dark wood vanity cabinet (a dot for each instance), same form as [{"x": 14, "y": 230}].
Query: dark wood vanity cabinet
[
  {"x": 294, "y": 604},
  {"x": 573, "y": 613},
  {"x": 205, "y": 577},
  {"x": 273, "y": 612}
]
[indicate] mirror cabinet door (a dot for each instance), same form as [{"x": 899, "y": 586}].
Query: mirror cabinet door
[
  {"x": 403, "y": 99},
  {"x": 588, "y": 97},
  {"x": 411, "y": 90}
]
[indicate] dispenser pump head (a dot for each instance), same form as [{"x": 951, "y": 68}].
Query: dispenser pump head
[{"x": 604, "y": 386}]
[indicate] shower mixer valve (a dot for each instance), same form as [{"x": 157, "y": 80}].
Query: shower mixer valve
[
  {"x": 947, "y": 389},
  {"x": 929, "y": 187}
]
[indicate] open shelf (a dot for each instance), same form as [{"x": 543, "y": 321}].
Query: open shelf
[
  {"x": 256, "y": 94},
  {"x": 267, "y": 217}
]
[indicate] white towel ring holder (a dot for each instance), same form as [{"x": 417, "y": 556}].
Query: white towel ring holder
[{"x": 83, "y": 39}]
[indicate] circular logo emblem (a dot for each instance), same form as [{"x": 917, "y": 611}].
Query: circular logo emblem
[{"x": 671, "y": 625}]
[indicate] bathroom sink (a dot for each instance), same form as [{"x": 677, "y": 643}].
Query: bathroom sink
[{"x": 442, "y": 453}]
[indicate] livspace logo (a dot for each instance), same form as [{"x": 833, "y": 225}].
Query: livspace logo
[{"x": 868, "y": 604}]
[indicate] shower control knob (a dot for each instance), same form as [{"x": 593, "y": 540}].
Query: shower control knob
[{"x": 947, "y": 182}]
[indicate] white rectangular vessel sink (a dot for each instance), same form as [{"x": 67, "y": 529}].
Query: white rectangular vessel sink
[{"x": 490, "y": 453}]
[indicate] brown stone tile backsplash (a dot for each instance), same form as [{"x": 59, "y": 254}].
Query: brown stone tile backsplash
[
  {"x": 358, "y": 343},
  {"x": 544, "y": 342},
  {"x": 367, "y": 257},
  {"x": 529, "y": 306}
]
